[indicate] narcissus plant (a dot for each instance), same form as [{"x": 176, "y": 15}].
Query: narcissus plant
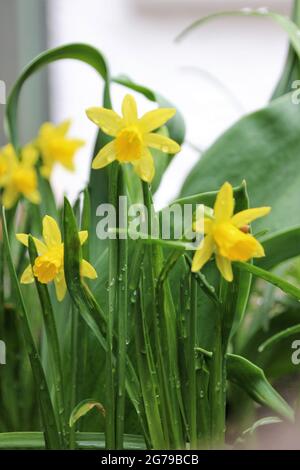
[
  {"x": 49, "y": 265},
  {"x": 18, "y": 176},
  {"x": 225, "y": 235},
  {"x": 56, "y": 147},
  {"x": 133, "y": 136}
]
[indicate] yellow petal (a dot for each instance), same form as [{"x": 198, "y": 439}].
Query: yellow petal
[
  {"x": 9, "y": 197},
  {"x": 60, "y": 285},
  {"x": 203, "y": 253},
  {"x": 247, "y": 216},
  {"x": 87, "y": 270},
  {"x": 40, "y": 246},
  {"x": 144, "y": 166},
  {"x": 83, "y": 236},
  {"x": 34, "y": 197},
  {"x": 64, "y": 127},
  {"x": 129, "y": 110},
  {"x": 224, "y": 204},
  {"x": 30, "y": 155},
  {"x": 155, "y": 119},
  {"x": 51, "y": 232},
  {"x": 225, "y": 268},
  {"x": 106, "y": 156},
  {"x": 161, "y": 142},
  {"x": 204, "y": 227},
  {"x": 27, "y": 276},
  {"x": 109, "y": 121}
]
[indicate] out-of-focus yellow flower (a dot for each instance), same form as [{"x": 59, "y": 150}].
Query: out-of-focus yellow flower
[
  {"x": 56, "y": 147},
  {"x": 18, "y": 177},
  {"x": 133, "y": 136},
  {"x": 49, "y": 265},
  {"x": 225, "y": 235}
]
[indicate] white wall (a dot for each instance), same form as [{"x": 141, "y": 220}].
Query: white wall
[{"x": 218, "y": 73}]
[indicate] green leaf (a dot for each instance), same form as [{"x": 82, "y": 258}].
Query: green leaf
[
  {"x": 268, "y": 159},
  {"x": 84, "y": 440},
  {"x": 262, "y": 422},
  {"x": 82, "y": 52},
  {"x": 252, "y": 380},
  {"x": 279, "y": 247},
  {"x": 267, "y": 276},
  {"x": 293, "y": 330},
  {"x": 285, "y": 23},
  {"x": 83, "y": 408},
  {"x": 52, "y": 437}
]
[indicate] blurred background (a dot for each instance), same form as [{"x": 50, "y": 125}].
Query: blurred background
[{"x": 226, "y": 69}]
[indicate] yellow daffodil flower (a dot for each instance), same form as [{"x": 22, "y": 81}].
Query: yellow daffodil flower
[
  {"x": 225, "y": 235},
  {"x": 56, "y": 147},
  {"x": 49, "y": 265},
  {"x": 133, "y": 136},
  {"x": 18, "y": 177}
]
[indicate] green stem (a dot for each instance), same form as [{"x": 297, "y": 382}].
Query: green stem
[
  {"x": 192, "y": 366},
  {"x": 110, "y": 422},
  {"x": 53, "y": 344},
  {"x": 121, "y": 331},
  {"x": 217, "y": 386},
  {"x": 74, "y": 361}
]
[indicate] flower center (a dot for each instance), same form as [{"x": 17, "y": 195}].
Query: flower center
[
  {"x": 47, "y": 266},
  {"x": 233, "y": 244},
  {"x": 24, "y": 180},
  {"x": 129, "y": 145}
]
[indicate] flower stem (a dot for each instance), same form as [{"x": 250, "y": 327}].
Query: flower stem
[
  {"x": 192, "y": 365},
  {"x": 110, "y": 422},
  {"x": 121, "y": 330}
]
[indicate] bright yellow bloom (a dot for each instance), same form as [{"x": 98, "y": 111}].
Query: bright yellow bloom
[
  {"x": 56, "y": 147},
  {"x": 49, "y": 265},
  {"x": 18, "y": 177},
  {"x": 133, "y": 136},
  {"x": 225, "y": 236}
]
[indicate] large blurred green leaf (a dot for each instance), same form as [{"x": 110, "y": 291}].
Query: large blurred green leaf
[{"x": 263, "y": 148}]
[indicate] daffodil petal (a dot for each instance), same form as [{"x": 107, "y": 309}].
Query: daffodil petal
[
  {"x": 83, "y": 236},
  {"x": 203, "y": 226},
  {"x": 87, "y": 270},
  {"x": 155, "y": 119},
  {"x": 161, "y": 142},
  {"x": 27, "y": 276},
  {"x": 30, "y": 155},
  {"x": 224, "y": 205},
  {"x": 9, "y": 197},
  {"x": 34, "y": 197},
  {"x": 144, "y": 167},
  {"x": 225, "y": 268},
  {"x": 203, "y": 253},
  {"x": 107, "y": 119},
  {"x": 247, "y": 216},
  {"x": 106, "y": 156},
  {"x": 51, "y": 232},
  {"x": 129, "y": 110},
  {"x": 40, "y": 246},
  {"x": 64, "y": 127},
  {"x": 60, "y": 286}
]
